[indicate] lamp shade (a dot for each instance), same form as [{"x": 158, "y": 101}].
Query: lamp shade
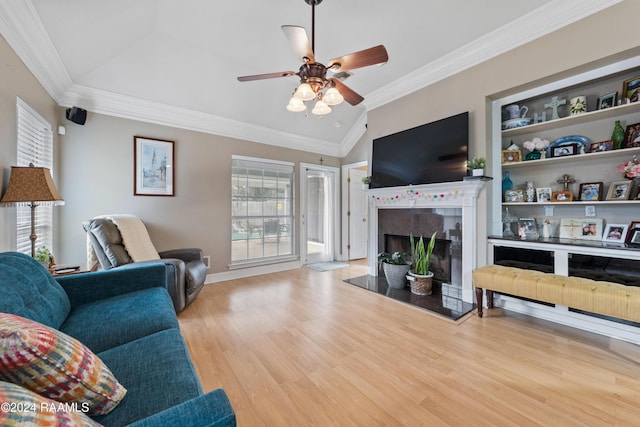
[
  {"x": 332, "y": 97},
  {"x": 305, "y": 92},
  {"x": 296, "y": 105},
  {"x": 321, "y": 108},
  {"x": 29, "y": 184}
]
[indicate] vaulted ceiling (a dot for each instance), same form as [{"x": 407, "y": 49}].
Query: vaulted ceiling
[{"x": 175, "y": 62}]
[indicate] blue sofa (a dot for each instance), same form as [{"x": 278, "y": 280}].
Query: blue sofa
[{"x": 127, "y": 318}]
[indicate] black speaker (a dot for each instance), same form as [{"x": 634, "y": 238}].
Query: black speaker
[{"x": 77, "y": 115}]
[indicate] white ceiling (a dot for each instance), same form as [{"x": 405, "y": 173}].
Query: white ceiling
[{"x": 175, "y": 62}]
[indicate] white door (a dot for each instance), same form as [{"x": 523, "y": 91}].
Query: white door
[
  {"x": 357, "y": 215},
  {"x": 319, "y": 204}
]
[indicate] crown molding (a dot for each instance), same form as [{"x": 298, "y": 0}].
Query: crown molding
[
  {"x": 22, "y": 28},
  {"x": 539, "y": 22}
]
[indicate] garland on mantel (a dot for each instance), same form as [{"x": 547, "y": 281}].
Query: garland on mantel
[{"x": 412, "y": 194}]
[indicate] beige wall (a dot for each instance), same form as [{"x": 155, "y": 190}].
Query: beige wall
[
  {"x": 97, "y": 178},
  {"x": 563, "y": 51},
  {"x": 17, "y": 81}
]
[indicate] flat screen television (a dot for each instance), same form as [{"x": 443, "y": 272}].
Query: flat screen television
[{"x": 427, "y": 154}]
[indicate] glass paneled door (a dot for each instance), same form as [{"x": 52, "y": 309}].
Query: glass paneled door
[{"x": 319, "y": 216}]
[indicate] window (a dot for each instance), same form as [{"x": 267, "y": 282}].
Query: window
[
  {"x": 35, "y": 145},
  {"x": 261, "y": 210}
]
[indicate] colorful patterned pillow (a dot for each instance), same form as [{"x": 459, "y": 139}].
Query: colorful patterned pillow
[
  {"x": 20, "y": 407},
  {"x": 55, "y": 365}
]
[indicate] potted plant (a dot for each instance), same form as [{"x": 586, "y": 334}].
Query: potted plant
[
  {"x": 477, "y": 165},
  {"x": 420, "y": 278},
  {"x": 366, "y": 180},
  {"x": 395, "y": 268},
  {"x": 44, "y": 256}
]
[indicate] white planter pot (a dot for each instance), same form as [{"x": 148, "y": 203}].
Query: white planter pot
[{"x": 477, "y": 172}]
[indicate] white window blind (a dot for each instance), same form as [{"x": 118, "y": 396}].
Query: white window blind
[
  {"x": 35, "y": 145},
  {"x": 262, "y": 204}
]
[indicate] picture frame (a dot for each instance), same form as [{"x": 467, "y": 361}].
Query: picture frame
[
  {"x": 590, "y": 191},
  {"x": 543, "y": 194},
  {"x": 598, "y": 147},
  {"x": 629, "y": 238},
  {"x": 528, "y": 228},
  {"x": 607, "y": 101},
  {"x": 581, "y": 228},
  {"x": 153, "y": 167},
  {"x": 615, "y": 233},
  {"x": 631, "y": 89},
  {"x": 619, "y": 190},
  {"x": 562, "y": 196},
  {"x": 564, "y": 150},
  {"x": 632, "y": 136},
  {"x": 511, "y": 156},
  {"x": 513, "y": 196},
  {"x": 634, "y": 239}
]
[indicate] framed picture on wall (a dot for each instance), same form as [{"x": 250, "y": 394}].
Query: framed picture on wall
[
  {"x": 153, "y": 171},
  {"x": 615, "y": 233},
  {"x": 619, "y": 190},
  {"x": 590, "y": 191},
  {"x": 607, "y": 101},
  {"x": 631, "y": 89}
]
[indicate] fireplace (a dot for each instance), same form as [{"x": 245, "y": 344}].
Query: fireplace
[{"x": 449, "y": 208}]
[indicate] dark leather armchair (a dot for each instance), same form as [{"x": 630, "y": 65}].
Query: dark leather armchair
[{"x": 186, "y": 271}]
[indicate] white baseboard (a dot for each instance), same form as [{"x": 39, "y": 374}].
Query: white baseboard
[{"x": 251, "y": 271}]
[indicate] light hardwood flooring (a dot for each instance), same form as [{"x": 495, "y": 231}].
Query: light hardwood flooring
[{"x": 302, "y": 348}]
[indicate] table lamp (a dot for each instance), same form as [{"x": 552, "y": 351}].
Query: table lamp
[{"x": 31, "y": 186}]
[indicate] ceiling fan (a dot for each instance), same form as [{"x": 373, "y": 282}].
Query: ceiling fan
[{"x": 314, "y": 83}]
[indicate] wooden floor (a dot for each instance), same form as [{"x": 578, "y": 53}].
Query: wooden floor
[{"x": 302, "y": 348}]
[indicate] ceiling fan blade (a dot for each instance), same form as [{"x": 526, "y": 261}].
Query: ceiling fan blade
[
  {"x": 300, "y": 42},
  {"x": 348, "y": 94},
  {"x": 266, "y": 76},
  {"x": 363, "y": 58}
]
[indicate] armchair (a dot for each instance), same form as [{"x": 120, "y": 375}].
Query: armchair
[{"x": 122, "y": 241}]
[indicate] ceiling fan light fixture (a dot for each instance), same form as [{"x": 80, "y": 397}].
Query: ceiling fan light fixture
[
  {"x": 296, "y": 105},
  {"x": 305, "y": 92},
  {"x": 321, "y": 108},
  {"x": 333, "y": 97}
]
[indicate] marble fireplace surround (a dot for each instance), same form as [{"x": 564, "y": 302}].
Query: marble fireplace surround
[{"x": 459, "y": 194}]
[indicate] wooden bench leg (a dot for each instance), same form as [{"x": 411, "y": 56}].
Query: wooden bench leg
[
  {"x": 479, "y": 301},
  {"x": 489, "y": 299}
]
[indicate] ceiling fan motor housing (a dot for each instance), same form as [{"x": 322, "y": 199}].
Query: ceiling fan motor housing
[{"x": 314, "y": 74}]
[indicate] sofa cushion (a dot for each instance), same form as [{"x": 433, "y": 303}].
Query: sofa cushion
[
  {"x": 108, "y": 237},
  {"x": 29, "y": 409},
  {"x": 110, "y": 322},
  {"x": 158, "y": 373},
  {"x": 55, "y": 365},
  {"x": 28, "y": 290}
]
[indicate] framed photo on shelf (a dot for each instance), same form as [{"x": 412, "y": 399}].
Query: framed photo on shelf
[
  {"x": 631, "y": 88},
  {"x": 152, "y": 167},
  {"x": 511, "y": 156},
  {"x": 528, "y": 228},
  {"x": 543, "y": 194},
  {"x": 607, "y": 101},
  {"x": 632, "y": 136},
  {"x": 615, "y": 233},
  {"x": 633, "y": 235},
  {"x": 581, "y": 228},
  {"x": 562, "y": 196},
  {"x": 597, "y": 147},
  {"x": 564, "y": 150},
  {"x": 619, "y": 190},
  {"x": 514, "y": 196},
  {"x": 590, "y": 191}
]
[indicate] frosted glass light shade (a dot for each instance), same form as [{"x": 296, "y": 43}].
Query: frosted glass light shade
[
  {"x": 332, "y": 97},
  {"x": 296, "y": 105},
  {"x": 304, "y": 92},
  {"x": 321, "y": 108}
]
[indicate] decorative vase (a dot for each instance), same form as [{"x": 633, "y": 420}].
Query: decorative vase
[
  {"x": 507, "y": 184},
  {"x": 617, "y": 136},
  {"x": 533, "y": 155},
  {"x": 420, "y": 284},
  {"x": 396, "y": 274},
  {"x": 530, "y": 191}
]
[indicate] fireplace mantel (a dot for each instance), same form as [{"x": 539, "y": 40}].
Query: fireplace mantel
[{"x": 459, "y": 194}]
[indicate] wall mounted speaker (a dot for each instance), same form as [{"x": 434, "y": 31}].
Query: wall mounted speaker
[{"x": 77, "y": 115}]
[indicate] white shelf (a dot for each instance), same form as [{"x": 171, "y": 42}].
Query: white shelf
[
  {"x": 609, "y": 113},
  {"x": 574, "y": 203},
  {"x": 630, "y": 152}
]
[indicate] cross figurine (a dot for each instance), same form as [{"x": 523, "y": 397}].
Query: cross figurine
[
  {"x": 554, "y": 104},
  {"x": 566, "y": 180},
  {"x": 571, "y": 226}
]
